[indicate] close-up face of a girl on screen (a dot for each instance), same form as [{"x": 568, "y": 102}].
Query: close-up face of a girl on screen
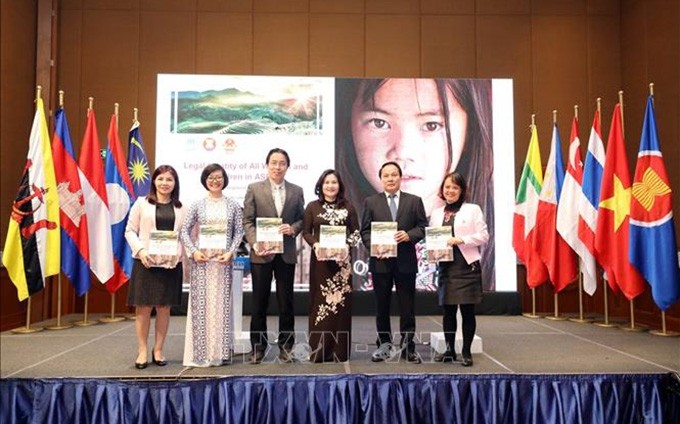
[{"x": 405, "y": 121}]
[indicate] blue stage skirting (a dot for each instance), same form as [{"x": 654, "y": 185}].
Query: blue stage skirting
[{"x": 506, "y": 398}]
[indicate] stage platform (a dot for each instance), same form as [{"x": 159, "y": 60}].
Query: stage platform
[
  {"x": 530, "y": 370},
  {"x": 512, "y": 345}
]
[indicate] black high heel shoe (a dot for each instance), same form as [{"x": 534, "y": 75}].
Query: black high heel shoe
[
  {"x": 159, "y": 362},
  {"x": 467, "y": 361},
  {"x": 141, "y": 365}
]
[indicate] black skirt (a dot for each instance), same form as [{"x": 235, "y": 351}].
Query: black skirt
[{"x": 155, "y": 286}]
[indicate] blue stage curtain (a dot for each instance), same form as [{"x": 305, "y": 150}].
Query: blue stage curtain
[{"x": 504, "y": 398}]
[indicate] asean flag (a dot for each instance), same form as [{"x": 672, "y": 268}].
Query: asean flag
[
  {"x": 119, "y": 193},
  {"x": 652, "y": 232}
]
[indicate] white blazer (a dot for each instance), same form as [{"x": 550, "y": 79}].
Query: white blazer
[
  {"x": 469, "y": 225},
  {"x": 142, "y": 221}
]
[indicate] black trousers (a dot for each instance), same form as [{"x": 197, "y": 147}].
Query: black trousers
[
  {"x": 406, "y": 291},
  {"x": 262, "y": 287}
]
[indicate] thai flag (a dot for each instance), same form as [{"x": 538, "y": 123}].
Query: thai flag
[
  {"x": 593, "y": 169},
  {"x": 120, "y": 195}
]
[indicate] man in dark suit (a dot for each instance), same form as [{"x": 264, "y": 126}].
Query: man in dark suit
[
  {"x": 409, "y": 213},
  {"x": 273, "y": 197}
]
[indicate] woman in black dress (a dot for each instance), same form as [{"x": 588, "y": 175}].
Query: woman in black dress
[
  {"x": 330, "y": 286},
  {"x": 156, "y": 280},
  {"x": 460, "y": 281}
]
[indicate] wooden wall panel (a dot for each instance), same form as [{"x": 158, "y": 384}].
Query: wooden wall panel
[
  {"x": 283, "y": 6},
  {"x": 558, "y": 53},
  {"x": 224, "y": 6},
  {"x": 167, "y": 45},
  {"x": 281, "y": 44},
  {"x": 224, "y": 43},
  {"x": 111, "y": 4},
  {"x": 443, "y": 7},
  {"x": 168, "y": 5},
  {"x": 336, "y": 45},
  {"x": 604, "y": 7},
  {"x": 109, "y": 62},
  {"x": 392, "y": 6},
  {"x": 558, "y": 7},
  {"x": 18, "y": 38},
  {"x": 558, "y": 43},
  {"x": 334, "y": 6},
  {"x": 392, "y": 45},
  {"x": 69, "y": 72},
  {"x": 504, "y": 51},
  {"x": 503, "y": 7},
  {"x": 448, "y": 46},
  {"x": 604, "y": 77}
]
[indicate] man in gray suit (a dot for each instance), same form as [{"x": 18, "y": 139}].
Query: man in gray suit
[
  {"x": 273, "y": 197},
  {"x": 409, "y": 213}
]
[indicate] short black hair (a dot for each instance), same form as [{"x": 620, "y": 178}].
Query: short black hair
[
  {"x": 318, "y": 188},
  {"x": 388, "y": 164},
  {"x": 209, "y": 170},
  {"x": 278, "y": 150}
]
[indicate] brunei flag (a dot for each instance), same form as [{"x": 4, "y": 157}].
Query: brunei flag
[{"x": 31, "y": 250}]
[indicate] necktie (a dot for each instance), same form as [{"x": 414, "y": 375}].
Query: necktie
[
  {"x": 393, "y": 207},
  {"x": 278, "y": 201}
]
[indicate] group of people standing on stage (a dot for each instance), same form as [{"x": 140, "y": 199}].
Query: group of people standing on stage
[{"x": 209, "y": 329}]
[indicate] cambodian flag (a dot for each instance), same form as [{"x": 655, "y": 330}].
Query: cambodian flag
[
  {"x": 653, "y": 248},
  {"x": 120, "y": 195},
  {"x": 75, "y": 250}
]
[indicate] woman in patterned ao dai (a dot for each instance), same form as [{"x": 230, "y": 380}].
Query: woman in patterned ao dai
[
  {"x": 330, "y": 286},
  {"x": 209, "y": 332}
]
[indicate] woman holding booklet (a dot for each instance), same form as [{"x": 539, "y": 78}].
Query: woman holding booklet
[
  {"x": 460, "y": 280},
  {"x": 211, "y": 234},
  {"x": 156, "y": 279},
  {"x": 330, "y": 225}
]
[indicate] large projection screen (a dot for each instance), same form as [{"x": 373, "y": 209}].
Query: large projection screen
[{"x": 429, "y": 126}]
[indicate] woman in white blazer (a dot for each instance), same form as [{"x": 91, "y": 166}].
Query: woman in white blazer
[
  {"x": 156, "y": 280},
  {"x": 460, "y": 280}
]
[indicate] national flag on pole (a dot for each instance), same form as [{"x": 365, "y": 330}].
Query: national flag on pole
[
  {"x": 75, "y": 254},
  {"x": 593, "y": 168},
  {"x": 555, "y": 253},
  {"x": 568, "y": 211},
  {"x": 31, "y": 250},
  {"x": 524, "y": 220},
  {"x": 119, "y": 193},
  {"x": 653, "y": 248},
  {"x": 612, "y": 236},
  {"x": 137, "y": 163},
  {"x": 96, "y": 203}
]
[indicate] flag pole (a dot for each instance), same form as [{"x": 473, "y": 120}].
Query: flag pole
[
  {"x": 135, "y": 112},
  {"x": 632, "y": 326},
  {"x": 605, "y": 285},
  {"x": 85, "y": 322},
  {"x": 113, "y": 317},
  {"x": 556, "y": 315},
  {"x": 533, "y": 289},
  {"x": 580, "y": 318},
  {"x": 28, "y": 329},
  {"x": 664, "y": 332},
  {"x": 59, "y": 325}
]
